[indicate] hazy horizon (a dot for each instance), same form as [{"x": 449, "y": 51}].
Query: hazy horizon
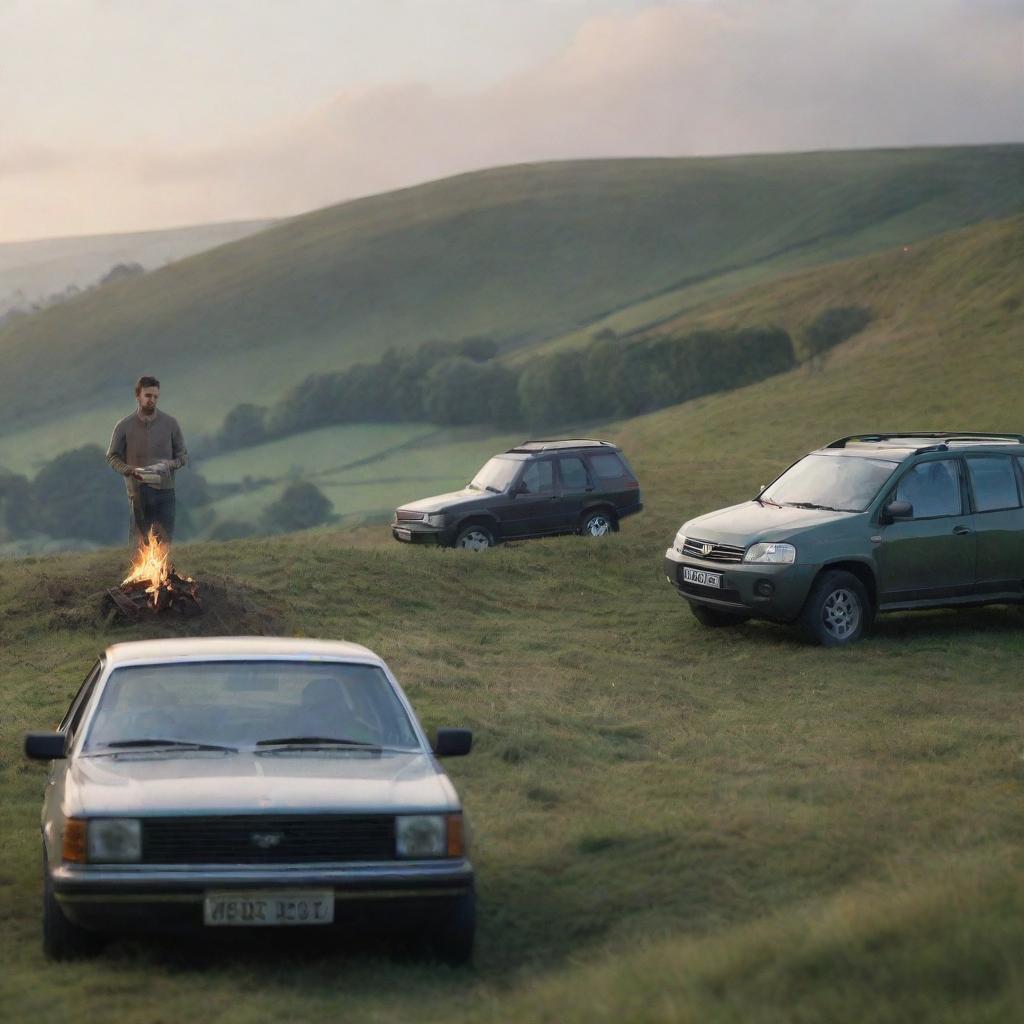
[{"x": 120, "y": 118}]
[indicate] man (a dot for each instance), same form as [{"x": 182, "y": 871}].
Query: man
[{"x": 146, "y": 449}]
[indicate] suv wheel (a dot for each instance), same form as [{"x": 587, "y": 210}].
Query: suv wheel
[
  {"x": 474, "y": 538},
  {"x": 838, "y": 610},
  {"x": 597, "y": 524},
  {"x": 63, "y": 940},
  {"x": 714, "y": 618}
]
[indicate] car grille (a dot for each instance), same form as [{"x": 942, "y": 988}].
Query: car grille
[
  {"x": 710, "y": 551},
  {"x": 410, "y": 517},
  {"x": 268, "y": 839}
]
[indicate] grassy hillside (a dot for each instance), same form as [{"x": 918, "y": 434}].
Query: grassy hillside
[
  {"x": 671, "y": 824},
  {"x": 36, "y": 269},
  {"x": 522, "y": 253}
]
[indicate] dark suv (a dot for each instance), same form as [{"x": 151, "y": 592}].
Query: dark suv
[
  {"x": 878, "y": 522},
  {"x": 534, "y": 490}
]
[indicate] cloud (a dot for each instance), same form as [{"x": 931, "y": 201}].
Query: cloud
[
  {"x": 32, "y": 160},
  {"x": 684, "y": 78}
]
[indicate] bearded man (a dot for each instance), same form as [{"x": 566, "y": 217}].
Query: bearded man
[{"x": 147, "y": 448}]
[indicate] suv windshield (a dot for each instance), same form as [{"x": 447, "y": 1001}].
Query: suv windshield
[
  {"x": 497, "y": 475},
  {"x": 239, "y": 703},
  {"x": 843, "y": 483}
]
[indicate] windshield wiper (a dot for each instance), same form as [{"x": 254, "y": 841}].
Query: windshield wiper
[
  {"x": 811, "y": 504},
  {"x": 494, "y": 489},
  {"x": 157, "y": 741},
  {"x": 762, "y": 500},
  {"x": 315, "y": 741}
]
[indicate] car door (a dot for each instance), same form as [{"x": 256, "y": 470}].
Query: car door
[
  {"x": 613, "y": 481},
  {"x": 575, "y": 489},
  {"x": 999, "y": 522},
  {"x": 931, "y": 555},
  {"x": 533, "y": 501}
]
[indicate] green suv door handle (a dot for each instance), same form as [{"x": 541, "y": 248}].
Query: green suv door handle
[{"x": 961, "y": 531}]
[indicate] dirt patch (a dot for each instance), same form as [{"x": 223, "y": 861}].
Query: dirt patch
[{"x": 229, "y": 607}]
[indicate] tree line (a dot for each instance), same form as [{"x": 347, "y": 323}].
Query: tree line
[{"x": 465, "y": 383}]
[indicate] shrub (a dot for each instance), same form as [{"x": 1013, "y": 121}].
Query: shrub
[{"x": 301, "y": 506}]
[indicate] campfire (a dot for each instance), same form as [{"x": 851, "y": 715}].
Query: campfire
[{"x": 152, "y": 586}]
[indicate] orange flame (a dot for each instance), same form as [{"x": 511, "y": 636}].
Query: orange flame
[{"x": 152, "y": 564}]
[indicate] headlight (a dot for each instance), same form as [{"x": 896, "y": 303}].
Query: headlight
[
  {"x": 681, "y": 536},
  {"x": 114, "y": 840},
  {"x": 429, "y": 835},
  {"x": 775, "y": 554},
  {"x": 437, "y": 520}
]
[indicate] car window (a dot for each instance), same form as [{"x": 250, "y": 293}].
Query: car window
[
  {"x": 933, "y": 488},
  {"x": 238, "y": 703},
  {"x": 538, "y": 477},
  {"x": 574, "y": 473},
  {"x": 994, "y": 483},
  {"x": 608, "y": 467},
  {"x": 73, "y": 715}
]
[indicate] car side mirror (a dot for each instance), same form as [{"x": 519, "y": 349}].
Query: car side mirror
[
  {"x": 45, "y": 746},
  {"x": 898, "y": 510},
  {"x": 520, "y": 489},
  {"x": 453, "y": 742}
]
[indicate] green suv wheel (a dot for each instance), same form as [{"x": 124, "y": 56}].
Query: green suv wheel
[
  {"x": 474, "y": 538},
  {"x": 714, "y": 618},
  {"x": 838, "y": 610}
]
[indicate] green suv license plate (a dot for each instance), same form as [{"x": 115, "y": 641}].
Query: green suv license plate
[
  {"x": 256, "y": 908},
  {"x": 702, "y": 578}
]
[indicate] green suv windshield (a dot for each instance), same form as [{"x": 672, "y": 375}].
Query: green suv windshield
[{"x": 835, "y": 482}]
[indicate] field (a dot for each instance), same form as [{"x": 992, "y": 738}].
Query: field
[
  {"x": 523, "y": 254},
  {"x": 670, "y": 824}
]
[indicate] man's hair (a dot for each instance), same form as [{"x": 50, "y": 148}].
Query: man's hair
[{"x": 146, "y": 382}]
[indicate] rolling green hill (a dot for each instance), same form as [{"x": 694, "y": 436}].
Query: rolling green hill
[
  {"x": 670, "y": 824},
  {"x": 521, "y": 253}
]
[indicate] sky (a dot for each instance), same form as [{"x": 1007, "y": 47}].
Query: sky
[{"x": 122, "y": 115}]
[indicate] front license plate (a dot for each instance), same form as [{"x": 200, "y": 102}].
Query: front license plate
[
  {"x": 702, "y": 578},
  {"x": 403, "y": 534},
  {"x": 262, "y": 908}
]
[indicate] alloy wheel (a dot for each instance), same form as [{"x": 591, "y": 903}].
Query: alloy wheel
[
  {"x": 475, "y": 540},
  {"x": 841, "y": 613},
  {"x": 597, "y": 526}
]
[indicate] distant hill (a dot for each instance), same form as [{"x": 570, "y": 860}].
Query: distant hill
[
  {"x": 31, "y": 271},
  {"x": 522, "y": 253}
]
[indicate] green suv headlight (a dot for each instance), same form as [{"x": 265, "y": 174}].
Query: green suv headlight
[{"x": 771, "y": 554}]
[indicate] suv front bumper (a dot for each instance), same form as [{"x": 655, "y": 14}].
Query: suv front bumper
[
  {"x": 741, "y": 581},
  {"x": 420, "y": 533}
]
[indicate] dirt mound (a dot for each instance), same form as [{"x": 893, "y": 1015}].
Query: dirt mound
[{"x": 229, "y": 607}]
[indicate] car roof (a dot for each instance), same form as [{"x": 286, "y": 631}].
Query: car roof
[
  {"x": 909, "y": 443},
  {"x": 238, "y": 647},
  {"x": 560, "y": 444}
]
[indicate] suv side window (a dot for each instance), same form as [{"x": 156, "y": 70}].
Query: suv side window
[
  {"x": 994, "y": 483},
  {"x": 574, "y": 473},
  {"x": 73, "y": 716},
  {"x": 608, "y": 467},
  {"x": 933, "y": 488},
  {"x": 539, "y": 477}
]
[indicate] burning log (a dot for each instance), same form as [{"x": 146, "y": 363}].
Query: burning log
[{"x": 152, "y": 586}]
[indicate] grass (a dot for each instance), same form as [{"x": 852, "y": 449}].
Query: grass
[
  {"x": 524, "y": 253},
  {"x": 670, "y": 824}
]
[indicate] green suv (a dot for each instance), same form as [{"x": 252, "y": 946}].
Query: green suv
[{"x": 871, "y": 523}]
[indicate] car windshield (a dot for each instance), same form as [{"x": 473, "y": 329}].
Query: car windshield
[
  {"x": 236, "y": 704},
  {"x": 843, "y": 483},
  {"x": 496, "y": 475}
]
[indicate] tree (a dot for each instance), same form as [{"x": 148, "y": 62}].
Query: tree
[
  {"x": 833, "y": 326},
  {"x": 301, "y": 506},
  {"x": 77, "y": 495},
  {"x": 461, "y": 391},
  {"x": 243, "y": 426},
  {"x": 18, "y": 512}
]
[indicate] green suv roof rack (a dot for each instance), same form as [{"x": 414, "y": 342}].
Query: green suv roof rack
[{"x": 943, "y": 438}]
